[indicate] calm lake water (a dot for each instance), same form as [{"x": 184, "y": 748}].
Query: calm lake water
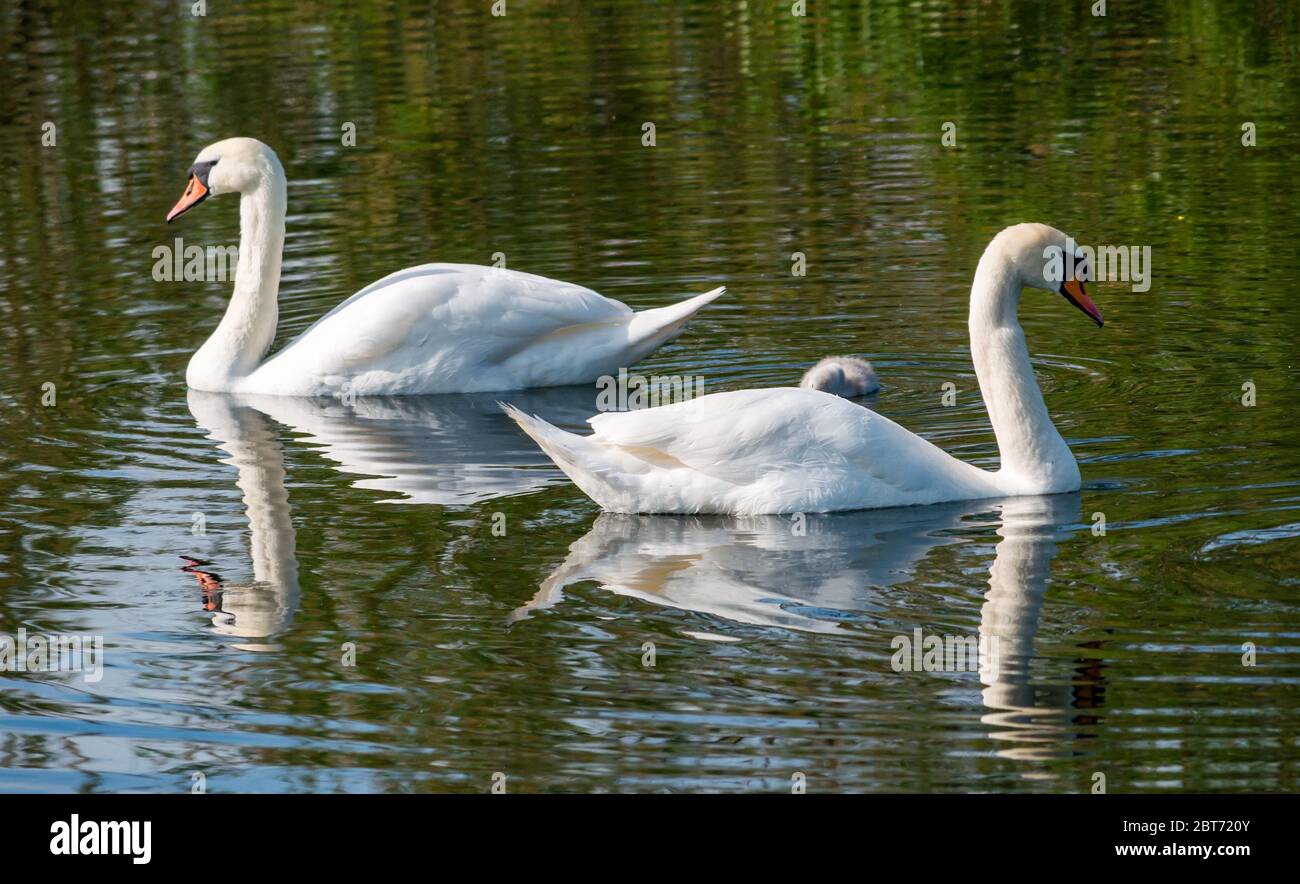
[{"x": 370, "y": 526}]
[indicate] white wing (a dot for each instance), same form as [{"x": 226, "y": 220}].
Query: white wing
[
  {"x": 436, "y": 328},
  {"x": 755, "y": 451},
  {"x": 740, "y": 437}
]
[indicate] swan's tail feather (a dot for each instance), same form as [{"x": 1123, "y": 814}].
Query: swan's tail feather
[
  {"x": 548, "y": 437},
  {"x": 578, "y": 456},
  {"x": 662, "y": 324}
]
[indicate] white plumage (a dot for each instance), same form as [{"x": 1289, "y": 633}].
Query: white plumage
[
  {"x": 462, "y": 328},
  {"x": 435, "y": 328},
  {"x": 784, "y": 450},
  {"x": 777, "y": 450}
]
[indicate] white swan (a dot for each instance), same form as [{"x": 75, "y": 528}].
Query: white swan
[
  {"x": 436, "y": 328},
  {"x": 846, "y": 376},
  {"x": 785, "y": 450}
]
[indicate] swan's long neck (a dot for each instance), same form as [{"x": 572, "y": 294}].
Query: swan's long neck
[
  {"x": 1035, "y": 459},
  {"x": 245, "y": 333}
]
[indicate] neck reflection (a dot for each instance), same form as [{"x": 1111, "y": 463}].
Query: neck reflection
[
  {"x": 447, "y": 451},
  {"x": 1032, "y": 719},
  {"x": 834, "y": 579},
  {"x": 260, "y": 609}
]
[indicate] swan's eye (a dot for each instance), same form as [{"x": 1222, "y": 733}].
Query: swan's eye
[{"x": 201, "y": 170}]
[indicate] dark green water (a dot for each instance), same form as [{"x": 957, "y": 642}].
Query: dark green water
[{"x": 522, "y": 654}]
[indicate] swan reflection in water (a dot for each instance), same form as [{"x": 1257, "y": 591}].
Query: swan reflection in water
[
  {"x": 257, "y": 610},
  {"x": 760, "y": 571},
  {"x": 1032, "y": 718},
  {"x": 444, "y": 450}
]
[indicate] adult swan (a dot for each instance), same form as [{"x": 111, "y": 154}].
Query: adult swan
[
  {"x": 436, "y": 328},
  {"x": 786, "y": 450}
]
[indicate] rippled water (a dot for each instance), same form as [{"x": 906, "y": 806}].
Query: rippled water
[{"x": 524, "y": 654}]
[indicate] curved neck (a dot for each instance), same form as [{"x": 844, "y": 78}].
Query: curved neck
[
  {"x": 1035, "y": 459},
  {"x": 246, "y": 331}
]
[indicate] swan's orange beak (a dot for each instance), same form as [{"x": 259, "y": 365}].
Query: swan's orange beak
[
  {"x": 1074, "y": 293},
  {"x": 195, "y": 192}
]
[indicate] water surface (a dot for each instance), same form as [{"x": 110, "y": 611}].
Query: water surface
[{"x": 371, "y": 526}]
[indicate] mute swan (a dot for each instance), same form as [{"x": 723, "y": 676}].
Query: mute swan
[
  {"x": 435, "y": 328},
  {"x": 784, "y": 450},
  {"x": 845, "y": 376}
]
